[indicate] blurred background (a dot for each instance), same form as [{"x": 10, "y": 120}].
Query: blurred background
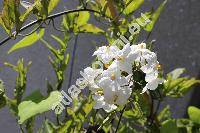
[{"x": 177, "y": 35}]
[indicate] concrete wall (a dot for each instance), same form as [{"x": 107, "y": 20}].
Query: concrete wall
[{"x": 177, "y": 35}]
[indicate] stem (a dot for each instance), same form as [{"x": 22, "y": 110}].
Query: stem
[
  {"x": 21, "y": 128},
  {"x": 72, "y": 61},
  {"x": 120, "y": 118},
  {"x": 113, "y": 11},
  {"x": 57, "y": 120},
  {"x": 48, "y": 18}
]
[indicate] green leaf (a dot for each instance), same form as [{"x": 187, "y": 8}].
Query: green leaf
[
  {"x": 82, "y": 18},
  {"x": 31, "y": 8},
  {"x": 73, "y": 21},
  {"x": 155, "y": 16},
  {"x": 61, "y": 42},
  {"x": 35, "y": 96},
  {"x": 10, "y": 15},
  {"x": 21, "y": 79},
  {"x": 89, "y": 28},
  {"x": 187, "y": 85},
  {"x": 169, "y": 126},
  {"x": 52, "y": 5},
  {"x": 176, "y": 86},
  {"x": 176, "y": 73},
  {"x": 87, "y": 108},
  {"x": 194, "y": 114},
  {"x": 27, "y": 41},
  {"x": 29, "y": 108},
  {"x": 65, "y": 127},
  {"x": 164, "y": 114},
  {"x": 102, "y": 6},
  {"x": 2, "y": 95},
  {"x": 49, "y": 126},
  {"x": 132, "y": 5}
]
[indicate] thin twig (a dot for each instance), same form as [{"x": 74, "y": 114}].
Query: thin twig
[
  {"x": 151, "y": 116},
  {"x": 48, "y": 18},
  {"x": 54, "y": 26},
  {"x": 37, "y": 28},
  {"x": 120, "y": 117}
]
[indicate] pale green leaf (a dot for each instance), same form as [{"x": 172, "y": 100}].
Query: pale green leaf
[
  {"x": 29, "y": 108},
  {"x": 27, "y": 41},
  {"x": 83, "y": 18},
  {"x": 29, "y": 10},
  {"x": 155, "y": 17},
  {"x": 164, "y": 114},
  {"x": 176, "y": 73},
  {"x": 61, "y": 42},
  {"x": 87, "y": 108},
  {"x": 65, "y": 127},
  {"x": 132, "y": 5},
  {"x": 194, "y": 114},
  {"x": 89, "y": 28},
  {"x": 52, "y": 5}
]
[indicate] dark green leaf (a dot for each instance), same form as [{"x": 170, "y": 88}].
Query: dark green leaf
[{"x": 169, "y": 126}]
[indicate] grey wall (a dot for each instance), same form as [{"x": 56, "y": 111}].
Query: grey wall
[{"x": 177, "y": 44}]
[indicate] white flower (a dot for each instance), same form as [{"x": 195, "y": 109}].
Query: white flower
[
  {"x": 106, "y": 53},
  {"x": 153, "y": 84},
  {"x": 151, "y": 76},
  {"x": 115, "y": 90},
  {"x": 140, "y": 54},
  {"x": 90, "y": 76},
  {"x": 124, "y": 60},
  {"x": 112, "y": 71},
  {"x": 100, "y": 103}
]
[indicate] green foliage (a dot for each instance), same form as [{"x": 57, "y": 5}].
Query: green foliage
[
  {"x": 78, "y": 23},
  {"x": 176, "y": 86},
  {"x": 10, "y": 15},
  {"x": 169, "y": 126},
  {"x": 164, "y": 114},
  {"x": 2, "y": 95},
  {"x": 27, "y": 41},
  {"x": 20, "y": 87},
  {"x": 154, "y": 17},
  {"x": 194, "y": 114},
  {"x": 35, "y": 104},
  {"x": 60, "y": 60},
  {"x": 138, "y": 116},
  {"x": 132, "y": 5}
]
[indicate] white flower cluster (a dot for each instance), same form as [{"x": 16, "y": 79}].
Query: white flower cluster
[{"x": 109, "y": 86}]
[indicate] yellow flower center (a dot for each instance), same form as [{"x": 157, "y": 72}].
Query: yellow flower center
[
  {"x": 106, "y": 65},
  {"x": 158, "y": 67},
  {"x": 100, "y": 92},
  {"x": 120, "y": 58},
  {"x": 113, "y": 77}
]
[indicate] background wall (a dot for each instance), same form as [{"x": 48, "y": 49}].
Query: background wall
[{"x": 177, "y": 36}]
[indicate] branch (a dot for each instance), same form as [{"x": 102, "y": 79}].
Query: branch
[
  {"x": 122, "y": 111},
  {"x": 48, "y": 18}
]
